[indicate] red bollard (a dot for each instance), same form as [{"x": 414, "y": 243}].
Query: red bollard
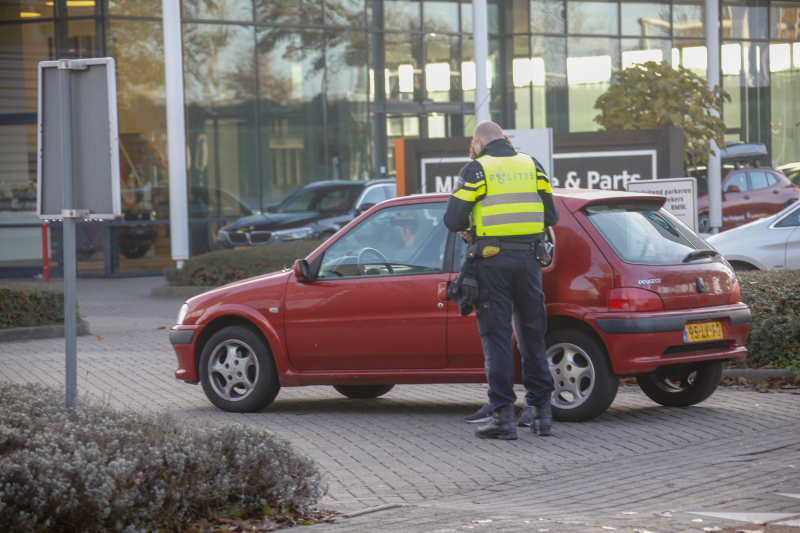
[{"x": 45, "y": 255}]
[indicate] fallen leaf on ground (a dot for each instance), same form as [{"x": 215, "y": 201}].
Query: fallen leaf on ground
[
  {"x": 611, "y": 528},
  {"x": 715, "y": 528}
]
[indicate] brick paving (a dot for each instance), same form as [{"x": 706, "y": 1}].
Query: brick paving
[{"x": 410, "y": 447}]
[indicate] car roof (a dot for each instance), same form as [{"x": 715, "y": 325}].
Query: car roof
[{"x": 574, "y": 199}]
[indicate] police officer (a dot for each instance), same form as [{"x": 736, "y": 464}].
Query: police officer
[{"x": 508, "y": 197}]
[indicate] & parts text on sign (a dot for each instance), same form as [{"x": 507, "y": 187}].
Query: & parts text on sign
[{"x": 603, "y": 170}]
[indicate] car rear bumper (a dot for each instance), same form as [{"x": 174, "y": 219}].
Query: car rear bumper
[
  {"x": 184, "y": 342},
  {"x": 639, "y": 344}
]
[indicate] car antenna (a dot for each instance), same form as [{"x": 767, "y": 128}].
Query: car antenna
[{"x": 461, "y": 132}]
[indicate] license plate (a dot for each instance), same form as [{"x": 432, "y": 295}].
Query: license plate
[{"x": 708, "y": 331}]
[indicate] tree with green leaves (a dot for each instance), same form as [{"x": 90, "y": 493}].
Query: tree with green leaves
[{"x": 655, "y": 95}]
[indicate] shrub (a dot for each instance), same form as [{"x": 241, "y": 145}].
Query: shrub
[
  {"x": 24, "y": 306},
  {"x": 93, "y": 469},
  {"x": 774, "y": 300},
  {"x": 218, "y": 268}
]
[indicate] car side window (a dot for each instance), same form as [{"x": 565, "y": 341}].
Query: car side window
[
  {"x": 398, "y": 240},
  {"x": 772, "y": 179},
  {"x": 373, "y": 195},
  {"x": 335, "y": 200},
  {"x": 737, "y": 180},
  {"x": 793, "y": 220},
  {"x": 758, "y": 180}
]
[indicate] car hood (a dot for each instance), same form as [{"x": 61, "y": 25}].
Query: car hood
[{"x": 276, "y": 221}]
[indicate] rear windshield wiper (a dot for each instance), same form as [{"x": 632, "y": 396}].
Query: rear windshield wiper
[{"x": 697, "y": 254}]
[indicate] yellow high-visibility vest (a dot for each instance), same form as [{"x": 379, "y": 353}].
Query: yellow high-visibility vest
[{"x": 512, "y": 205}]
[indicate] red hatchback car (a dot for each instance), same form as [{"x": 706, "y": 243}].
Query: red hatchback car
[{"x": 631, "y": 291}]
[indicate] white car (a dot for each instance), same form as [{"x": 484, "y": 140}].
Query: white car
[{"x": 771, "y": 243}]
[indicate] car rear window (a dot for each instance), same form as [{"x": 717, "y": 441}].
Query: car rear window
[{"x": 645, "y": 234}]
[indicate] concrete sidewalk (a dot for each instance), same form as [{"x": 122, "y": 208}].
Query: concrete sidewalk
[{"x": 624, "y": 470}]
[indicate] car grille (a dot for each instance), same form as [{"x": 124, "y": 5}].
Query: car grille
[
  {"x": 260, "y": 237},
  {"x": 237, "y": 238},
  {"x": 718, "y": 346}
]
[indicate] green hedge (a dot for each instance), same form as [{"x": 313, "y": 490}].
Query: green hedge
[
  {"x": 218, "y": 268},
  {"x": 774, "y": 300},
  {"x": 24, "y": 306}
]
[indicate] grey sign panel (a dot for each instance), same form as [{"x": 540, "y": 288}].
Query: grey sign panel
[{"x": 95, "y": 140}]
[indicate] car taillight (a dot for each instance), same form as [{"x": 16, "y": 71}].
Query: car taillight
[
  {"x": 736, "y": 293},
  {"x": 629, "y": 299}
]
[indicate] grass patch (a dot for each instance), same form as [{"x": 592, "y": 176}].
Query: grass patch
[
  {"x": 24, "y": 306},
  {"x": 774, "y": 300},
  {"x": 225, "y": 266},
  {"x": 94, "y": 469}
]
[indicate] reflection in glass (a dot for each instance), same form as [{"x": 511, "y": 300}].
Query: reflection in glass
[
  {"x": 688, "y": 18},
  {"x": 345, "y": 12},
  {"x": 401, "y": 15},
  {"x": 218, "y": 9},
  {"x": 19, "y": 80},
  {"x": 550, "y": 96},
  {"x": 646, "y": 19},
  {"x": 644, "y": 50},
  {"x": 141, "y": 8},
  {"x": 547, "y": 16},
  {"x": 289, "y": 11},
  {"x": 784, "y": 105},
  {"x": 784, "y": 20},
  {"x": 742, "y": 21},
  {"x": 403, "y": 74},
  {"x": 347, "y": 111},
  {"x": 466, "y": 18},
  {"x": 220, "y": 92},
  {"x": 292, "y": 116},
  {"x": 593, "y": 17},
  {"x": 441, "y": 16},
  {"x": 589, "y": 66},
  {"x": 522, "y": 74},
  {"x": 442, "y": 74}
]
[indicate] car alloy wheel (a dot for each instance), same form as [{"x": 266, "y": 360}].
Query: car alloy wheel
[
  {"x": 703, "y": 225},
  {"x": 233, "y": 370},
  {"x": 585, "y": 385},
  {"x": 237, "y": 370}
]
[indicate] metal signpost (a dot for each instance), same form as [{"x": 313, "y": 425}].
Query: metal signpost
[
  {"x": 78, "y": 165},
  {"x": 681, "y": 196}
]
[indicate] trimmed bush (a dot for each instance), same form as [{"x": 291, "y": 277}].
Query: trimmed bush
[
  {"x": 93, "y": 469},
  {"x": 774, "y": 300},
  {"x": 225, "y": 266},
  {"x": 23, "y": 306}
]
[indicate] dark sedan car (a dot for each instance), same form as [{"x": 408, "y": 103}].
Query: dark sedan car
[{"x": 316, "y": 211}]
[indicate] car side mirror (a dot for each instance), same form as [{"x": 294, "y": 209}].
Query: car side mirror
[
  {"x": 733, "y": 188},
  {"x": 302, "y": 270},
  {"x": 363, "y": 208}
]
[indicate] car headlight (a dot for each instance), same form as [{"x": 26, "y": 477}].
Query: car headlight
[
  {"x": 182, "y": 313},
  {"x": 222, "y": 235},
  {"x": 293, "y": 234}
]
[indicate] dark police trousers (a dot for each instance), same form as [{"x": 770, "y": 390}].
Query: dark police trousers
[{"x": 511, "y": 287}]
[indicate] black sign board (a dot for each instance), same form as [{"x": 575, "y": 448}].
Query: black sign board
[
  {"x": 608, "y": 170},
  {"x": 439, "y": 173}
]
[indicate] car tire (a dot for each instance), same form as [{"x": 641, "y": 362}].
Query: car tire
[
  {"x": 789, "y": 202},
  {"x": 134, "y": 252},
  {"x": 703, "y": 224},
  {"x": 740, "y": 266},
  {"x": 237, "y": 370},
  {"x": 673, "y": 386},
  {"x": 363, "y": 392},
  {"x": 585, "y": 384}
]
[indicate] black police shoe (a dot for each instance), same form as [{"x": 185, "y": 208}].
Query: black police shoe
[
  {"x": 501, "y": 426},
  {"x": 542, "y": 420},
  {"x": 484, "y": 414},
  {"x": 525, "y": 417}
]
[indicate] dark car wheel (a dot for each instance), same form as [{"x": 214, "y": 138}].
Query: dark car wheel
[
  {"x": 703, "y": 225},
  {"x": 585, "y": 385},
  {"x": 741, "y": 266},
  {"x": 134, "y": 252},
  {"x": 363, "y": 392},
  {"x": 789, "y": 202},
  {"x": 682, "y": 385},
  {"x": 237, "y": 371}
]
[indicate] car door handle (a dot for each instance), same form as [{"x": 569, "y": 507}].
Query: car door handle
[
  {"x": 776, "y": 191},
  {"x": 746, "y": 196}
]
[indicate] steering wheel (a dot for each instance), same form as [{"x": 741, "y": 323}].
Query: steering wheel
[{"x": 360, "y": 260}]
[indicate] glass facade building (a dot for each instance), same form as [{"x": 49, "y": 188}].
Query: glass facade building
[{"x": 282, "y": 93}]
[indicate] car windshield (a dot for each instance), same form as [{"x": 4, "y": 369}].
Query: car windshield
[
  {"x": 321, "y": 199},
  {"x": 644, "y": 234},
  {"x": 399, "y": 240}
]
